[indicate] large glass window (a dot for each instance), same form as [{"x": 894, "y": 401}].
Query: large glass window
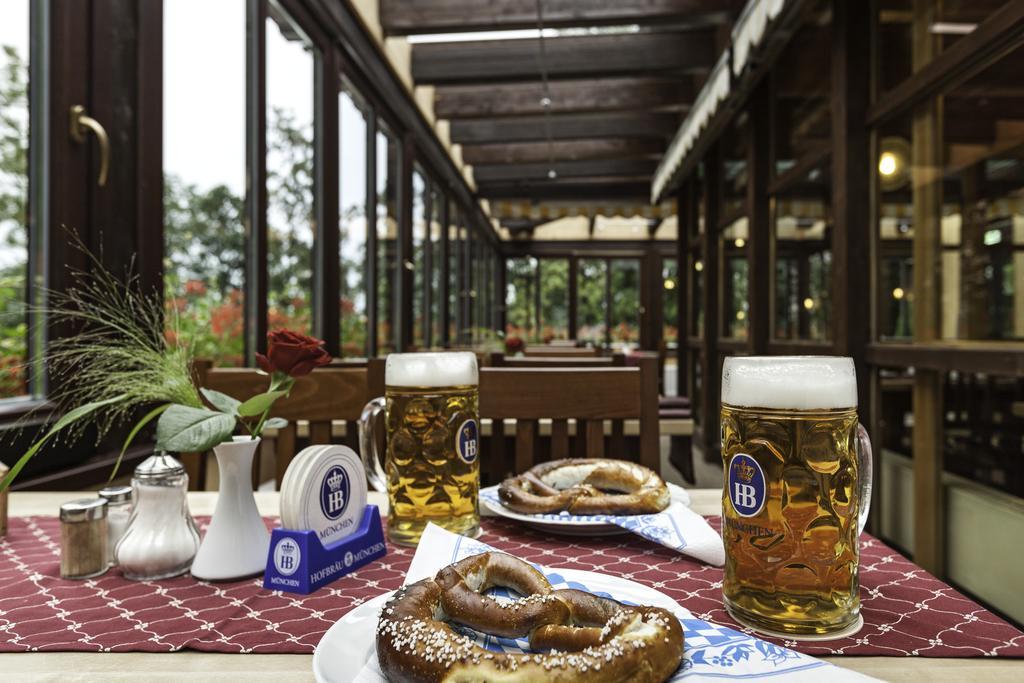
[
  {"x": 437, "y": 267},
  {"x": 554, "y": 299},
  {"x": 291, "y": 210},
  {"x": 387, "y": 235},
  {"x": 204, "y": 173},
  {"x": 352, "y": 221},
  {"x": 419, "y": 258},
  {"x": 591, "y": 282},
  {"x": 625, "y": 301},
  {"x": 14, "y": 142},
  {"x": 734, "y": 228},
  {"x": 454, "y": 217},
  {"x": 521, "y": 299}
]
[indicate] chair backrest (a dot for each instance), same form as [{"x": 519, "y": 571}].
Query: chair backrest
[
  {"x": 325, "y": 395},
  {"x": 587, "y": 395},
  {"x": 503, "y": 361},
  {"x": 561, "y": 351}
]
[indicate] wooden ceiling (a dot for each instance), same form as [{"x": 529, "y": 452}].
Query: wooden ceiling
[{"x": 617, "y": 95}]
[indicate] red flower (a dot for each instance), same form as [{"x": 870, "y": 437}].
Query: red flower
[
  {"x": 195, "y": 288},
  {"x": 292, "y": 353},
  {"x": 514, "y": 345}
]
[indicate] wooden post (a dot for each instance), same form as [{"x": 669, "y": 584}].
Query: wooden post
[
  {"x": 256, "y": 196},
  {"x": 403, "y": 321},
  {"x": 926, "y": 174},
  {"x": 712, "y": 369},
  {"x": 372, "y": 245},
  {"x": 327, "y": 277},
  {"x": 760, "y": 264},
  {"x": 444, "y": 310},
  {"x": 685, "y": 215}
]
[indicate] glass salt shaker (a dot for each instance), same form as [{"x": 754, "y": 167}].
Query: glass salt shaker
[
  {"x": 162, "y": 539},
  {"x": 119, "y": 511}
]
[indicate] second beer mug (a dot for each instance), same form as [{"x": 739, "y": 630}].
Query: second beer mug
[
  {"x": 796, "y": 495},
  {"x": 432, "y": 464}
]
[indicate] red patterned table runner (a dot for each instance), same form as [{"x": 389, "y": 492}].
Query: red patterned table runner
[{"x": 906, "y": 610}]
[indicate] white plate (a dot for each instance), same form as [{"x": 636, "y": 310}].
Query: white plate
[
  {"x": 563, "y": 522},
  {"x": 350, "y": 643}
]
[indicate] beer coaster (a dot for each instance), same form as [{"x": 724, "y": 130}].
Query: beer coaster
[
  {"x": 850, "y": 630},
  {"x": 332, "y": 494},
  {"x": 289, "y": 493}
]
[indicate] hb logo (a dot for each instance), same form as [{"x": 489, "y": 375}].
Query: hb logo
[
  {"x": 334, "y": 492},
  {"x": 287, "y": 556},
  {"x": 466, "y": 441},
  {"x": 746, "y": 485}
]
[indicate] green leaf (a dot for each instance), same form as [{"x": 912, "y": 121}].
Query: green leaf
[
  {"x": 66, "y": 420},
  {"x": 146, "y": 419},
  {"x": 222, "y": 402},
  {"x": 182, "y": 429},
  {"x": 275, "y": 423},
  {"x": 259, "y": 403}
]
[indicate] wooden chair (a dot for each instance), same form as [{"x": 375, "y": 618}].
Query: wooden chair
[
  {"x": 587, "y": 395},
  {"x": 325, "y": 395},
  {"x": 501, "y": 360},
  {"x": 562, "y": 351}
]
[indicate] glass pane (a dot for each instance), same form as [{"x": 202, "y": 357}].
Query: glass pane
[
  {"x": 625, "y": 304},
  {"x": 803, "y": 266},
  {"x": 591, "y": 279},
  {"x": 437, "y": 269},
  {"x": 419, "y": 258},
  {"x": 521, "y": 299},
  {"x": 387, "y": 231},
  {"x": 734, "y": 171},
  {"x": 204, "y": 194},
  {"x": 453, "y": 275},
  {"x": 670, "y": 301},
  {"x": 291, "y": 217},
  {"x": 14, "y": 142},
  {"x": 697, "y": 301},
  {"x": 352, "y": 223},
  {"x": 554, "y": 299},
  {"x": 735, "y": 277}
]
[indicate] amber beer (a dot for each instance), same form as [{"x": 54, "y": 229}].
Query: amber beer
[
  {"x": 432, "y": 463},
  {"x": 796, "y": 492}
]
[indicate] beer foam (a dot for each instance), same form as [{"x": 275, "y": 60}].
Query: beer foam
[
  {"x": 441, "y": 369},
  {"x": 789, "y": 382}
]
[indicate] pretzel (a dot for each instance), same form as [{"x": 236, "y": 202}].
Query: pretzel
[
  {"x": 580, "y": 486},
  {"x": 578, "y": 636}
]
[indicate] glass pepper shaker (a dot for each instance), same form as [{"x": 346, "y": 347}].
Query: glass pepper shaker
[
  {"x": 119, "y": 512},
  {"x": 162, "y": 539},
  {"x": 83, "y": 538}
]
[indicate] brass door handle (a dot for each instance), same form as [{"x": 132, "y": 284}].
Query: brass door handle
[{"x": 82, "y": 123}]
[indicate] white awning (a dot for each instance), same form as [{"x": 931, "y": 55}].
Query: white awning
[{"x": 747, "y": 34}]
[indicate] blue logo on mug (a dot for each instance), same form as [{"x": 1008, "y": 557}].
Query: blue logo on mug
[
  {"x": 466, "y": 442},
  {"x": 334, "y": 492},
  {"x": 746, "y": 485}
]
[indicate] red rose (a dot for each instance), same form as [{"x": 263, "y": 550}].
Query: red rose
[{"x": 292, "y": 354}]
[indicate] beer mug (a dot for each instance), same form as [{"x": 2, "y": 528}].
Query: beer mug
[
  {"x": 796, "y": 495},
  {"x": 432, "y": 464}
]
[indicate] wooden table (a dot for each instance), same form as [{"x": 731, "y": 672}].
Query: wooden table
[{"x": 71, "y": 667}]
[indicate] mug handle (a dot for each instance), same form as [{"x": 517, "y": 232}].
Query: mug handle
[
  {"x": 864, "y": 482},
  {"x": 368, "y": 445}
]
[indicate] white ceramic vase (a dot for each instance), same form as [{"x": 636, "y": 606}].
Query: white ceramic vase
[{"x": 236, "y": 542}]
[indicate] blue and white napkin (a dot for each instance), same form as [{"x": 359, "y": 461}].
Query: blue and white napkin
[
  {"x": 710, "y": 652},
  {"x": 677, "y": 527}
]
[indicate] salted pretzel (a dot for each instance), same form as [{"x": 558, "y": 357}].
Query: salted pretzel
[
  {"x": 578, "y": 636},
  {"x": 581, "y": 486}
]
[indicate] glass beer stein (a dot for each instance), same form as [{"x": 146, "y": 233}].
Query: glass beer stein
[
  {"x": 432, "y": 463},
  {"x": 796, "y": 493}
]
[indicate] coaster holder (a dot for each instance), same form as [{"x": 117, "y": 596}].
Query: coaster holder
[{"x": 298, "y": 562}]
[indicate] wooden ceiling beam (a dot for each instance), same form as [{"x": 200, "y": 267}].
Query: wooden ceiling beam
[
  {"x": 564, "y": 127},
  {"x": 562, "y": 150},
  {"x": 603, "y": 189},
  {"x": 404, "y": 17},
  {"x": 575, "y": 96},
  {"x": 564, "y": 169},
  {"x": 493, "y": 61}
]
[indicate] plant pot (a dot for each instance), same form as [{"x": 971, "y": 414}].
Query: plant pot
[{"x": 236, "y": 542}]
